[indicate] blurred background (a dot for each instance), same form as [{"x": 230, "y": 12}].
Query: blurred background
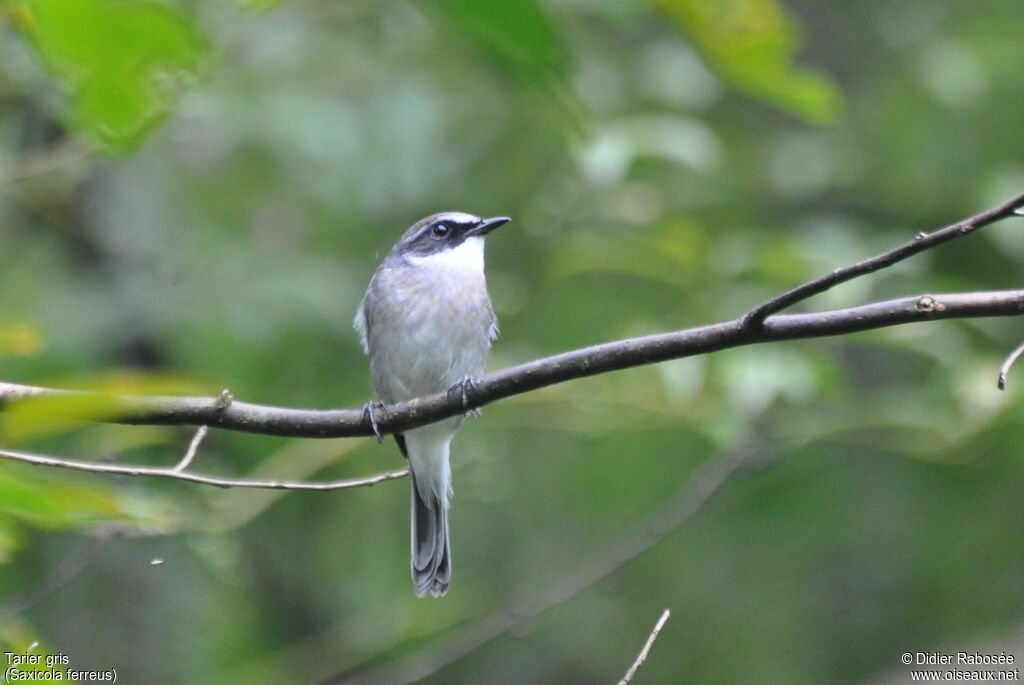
[{"x": 193, "y": 197}]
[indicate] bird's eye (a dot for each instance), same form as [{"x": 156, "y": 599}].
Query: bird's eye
[{"x": 440, "y": 230}]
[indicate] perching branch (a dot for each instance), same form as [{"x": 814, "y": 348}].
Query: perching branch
[
  {"x": 761, "y": 324},
  {"x": 588, "y": 361}
]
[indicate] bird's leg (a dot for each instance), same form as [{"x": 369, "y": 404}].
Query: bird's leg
[
  {"x": 368, "y": 409},
  {"x": 463, "y": 386}
]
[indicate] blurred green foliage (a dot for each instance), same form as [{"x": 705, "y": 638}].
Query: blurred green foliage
[
  {"x": 35, "y": 417},
  {"x": 518, "y": 34},
  {"x": 202, "y": 190},
  {"x": 122, "y": 62},
  {"x": 751, "y": 44}
]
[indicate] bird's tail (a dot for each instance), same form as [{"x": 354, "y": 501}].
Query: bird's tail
[
  {"x": 427, "y": 451},
  {"x": 431, "y": 553}
]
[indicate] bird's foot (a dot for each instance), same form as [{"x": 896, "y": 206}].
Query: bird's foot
[
  {"x": 464, "y": 386},
  {"x": 368, "y": 409}
]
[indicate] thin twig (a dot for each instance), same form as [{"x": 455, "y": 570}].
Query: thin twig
[
  {"x": 193, "y": 447},
  {"x": 588, "y": 361},
  {"x": 688, "y": 500},
  {"x": 923, "y": 241},
  {"x": 1004, "y": 370},
  {"x": 642, "y": 657},
  {"x": 216, "y": 481}
]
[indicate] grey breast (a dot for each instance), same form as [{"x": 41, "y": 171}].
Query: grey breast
[{"x": 426, "y": 331}]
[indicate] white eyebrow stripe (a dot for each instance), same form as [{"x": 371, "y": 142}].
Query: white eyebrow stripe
[{"x": 459, "y": 218}]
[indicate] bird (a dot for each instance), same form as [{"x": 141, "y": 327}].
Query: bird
[{"x": 426, "y": 323}]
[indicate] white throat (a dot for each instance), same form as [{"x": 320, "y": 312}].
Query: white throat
[{"x": 467, "y": 257}]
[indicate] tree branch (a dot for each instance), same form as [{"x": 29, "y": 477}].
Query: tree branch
[
  {"x": 587, "y": 361},
  {"x": 759, "y": 325},
  {"x": 921, "y": 242}
]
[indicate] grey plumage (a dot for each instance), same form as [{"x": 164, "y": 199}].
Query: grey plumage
[{"x": 426, "y": 324}]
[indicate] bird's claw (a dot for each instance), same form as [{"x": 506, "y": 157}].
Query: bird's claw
[
  {"x": 368, "y": 409},
  {"x": 463, "y": 387}
]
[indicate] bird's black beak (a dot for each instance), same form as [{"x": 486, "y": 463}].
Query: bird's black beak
[{"x": 488, "y": 225}]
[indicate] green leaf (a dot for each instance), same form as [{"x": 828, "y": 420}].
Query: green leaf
[
  {"x": 29, "y": 654},
  {"x": 123, "y": 62},
  {"x": 39, "y": 416},
  {"x": 669, "y": 252},
  {"x": 518, "y": 34},
  {"x": 750, "y": 44},
  {"x": 52, "y": 504},
  {"x": 10, "y": 539},
  {"x": 20, "y": 339},
  {"x": 259, "y": 5},
  {"x": 35, "y": 417}
]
